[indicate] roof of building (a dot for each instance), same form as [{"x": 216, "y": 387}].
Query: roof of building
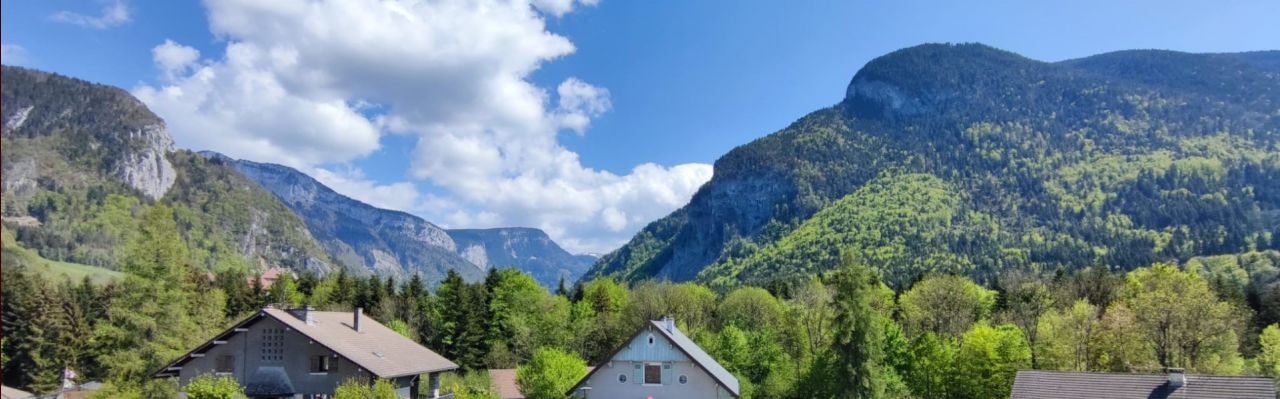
[
  {"x": 1036, "y": 384},
  {"x": 686, "y": 346},
  {"x": 504, "y": 383},
  {"x": 8, "y": 392},
  {"x": 375, "y": 347}
]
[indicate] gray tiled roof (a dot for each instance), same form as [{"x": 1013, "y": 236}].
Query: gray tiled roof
[
  {"x": 1036, "y": 384},
  {"x": 699, "y": 356},
  {"x": 376, "y": 348}
]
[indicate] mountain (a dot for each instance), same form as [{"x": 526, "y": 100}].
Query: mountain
[
  {"x": 358, "y": 235},
  {"x": 81, "y": 161},
  {"x": 391, "y": 242},
  {"x": 969, "y": 159},
  {"x": 524, "y": 248}
]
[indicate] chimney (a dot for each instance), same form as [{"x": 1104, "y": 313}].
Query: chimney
[
  {"x": 306, "y": 313},
  {"x": 669, "y": 324},
  {"x": 356, "y": 322},
  {"x": 1177, "y": 377}
]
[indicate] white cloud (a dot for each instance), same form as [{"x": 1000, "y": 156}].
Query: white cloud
[
  {"x": 352, "y": 183},
  {"x": 12, "y": 54},
  {"x": 173, "y": 58},
  {"x": 310, "y": 83},
  {"x": 114, "y": 13}
]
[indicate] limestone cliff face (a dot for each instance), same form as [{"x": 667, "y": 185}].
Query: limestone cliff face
[
  {"x": 93, "y": 127},
  {"x": 147, "y": 169},
  {"x": 527, "y": 249}
]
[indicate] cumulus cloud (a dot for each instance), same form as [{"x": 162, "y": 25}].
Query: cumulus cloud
[
  {"x": 114, "y": 13},
  {"x": 13, "y": 54},
  {"x": 173, "y": 58},
  {"x": 314, "y": 83},
  {"x": 352, "y": 183}
]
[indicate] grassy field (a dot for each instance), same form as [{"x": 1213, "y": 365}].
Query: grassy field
[{"x": 52, "y": 269}]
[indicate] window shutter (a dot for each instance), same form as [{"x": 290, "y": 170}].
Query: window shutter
[
  {"x": 666, "y": 373},
  {"x": 315, "y": 364},
  {"x": 333, "y": 363},
  {"x": 638, "y": 374}
]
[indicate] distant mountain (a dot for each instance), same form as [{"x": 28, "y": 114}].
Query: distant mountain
[
  {"x": 392, "y": 242},
  {"x": 524, "y": 248},
  {"x": 360, "y": 235},
  {"x": 81, "y": 160},
  {"x": 969, "y": 159}
]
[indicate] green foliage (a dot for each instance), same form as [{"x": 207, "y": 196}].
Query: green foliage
[
  {"x": 1269, "y": 357},
  {"x": 159, "y": 313},
  {"x": 472, "y": 385},
  {"x": 355, "y": 388},
  {"x": 856, "y": 346},
  {"x": 208, "y": 386},
  {"x": 945, "y": 305},
  {"x": 988, "y": 359},
  {"x": 1182, "y": 319},
  {"x": 1068, "y": 338},
  {"x": 550, "y": 374},
  {"x": 750, "y": 307}
]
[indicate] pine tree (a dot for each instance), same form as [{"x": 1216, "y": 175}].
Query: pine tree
[{"x": 856, "y": 348}]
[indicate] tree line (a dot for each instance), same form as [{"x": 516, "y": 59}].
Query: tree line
[{"x": 839, "y": 333}]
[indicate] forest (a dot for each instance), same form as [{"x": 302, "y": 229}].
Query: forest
[{"x": 843, "y": 332}]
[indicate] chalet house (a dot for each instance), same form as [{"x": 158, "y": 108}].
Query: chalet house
[
  {"x": 1037, "y": 384},
  {"x": 303, "y": 353},
  {"x": 658, "y": 362}
]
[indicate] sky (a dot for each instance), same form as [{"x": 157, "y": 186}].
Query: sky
[{"x": 585, "y": 118}]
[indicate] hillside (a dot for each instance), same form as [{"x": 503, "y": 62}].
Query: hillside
[
  {"x": 81, "y": 161},
  {"x": 527, "y": 249},
  {"x": 360, "y": 235},
  {"x": 995, "y": 161},
  {"x": 395, "y": 243}
]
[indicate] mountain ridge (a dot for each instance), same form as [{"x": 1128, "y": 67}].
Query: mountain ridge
[{"x": 1078, "y": 153}]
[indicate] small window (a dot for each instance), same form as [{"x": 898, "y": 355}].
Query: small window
[
  {"x": 225, "y": 364},
  {"x": 321, "y": 364},
  {"x": 651, "y": 340},
  {"x": 622, "y": 378},
  {"x": 684, "y": 379},
  {"x": 653, "y": 373}
]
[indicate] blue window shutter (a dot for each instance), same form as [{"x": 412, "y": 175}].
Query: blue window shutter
[
  {"x": 666, "y": 373},
  {"x": 638, "y": 374}
]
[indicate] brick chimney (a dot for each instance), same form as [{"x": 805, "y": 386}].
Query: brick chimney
[
  {"x": 1177, "y": 377},
  {"x": 355, "y": 323}
]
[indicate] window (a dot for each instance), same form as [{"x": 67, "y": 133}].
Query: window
[
  {"x": 622, "y": 378},
  {"x": 225, "y": 364},
  {"x": 653, "y": 373},
  {"x": 272, "y": 349},
  {"x": 321, "y": 364},
  {"x": 651, "y": 340},
  {"x": 684, "y": 379}
]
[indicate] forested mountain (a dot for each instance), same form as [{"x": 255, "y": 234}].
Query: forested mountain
[
  {"x": 969, "y": 159},
  {"x": 82, "y": 161},
  {"x": 395, "y": 243},
  {"x": 527, "y": 249}
]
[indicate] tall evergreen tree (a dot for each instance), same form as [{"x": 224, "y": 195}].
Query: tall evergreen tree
[{"x": 856, "y": 346}]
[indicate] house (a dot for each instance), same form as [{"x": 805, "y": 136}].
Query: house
[
  {"x": 658, "y": 362},
  {"x": 1037, "y": 384},
  {"x": 303, "y": 353}
]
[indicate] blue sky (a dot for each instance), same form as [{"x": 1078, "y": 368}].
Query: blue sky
[{"x": 686, "y": 81}]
